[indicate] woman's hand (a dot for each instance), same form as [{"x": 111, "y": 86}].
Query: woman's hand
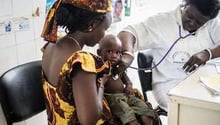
[
  {"x": 196, "y": 60},
  {"x": 104, "y": 79}
]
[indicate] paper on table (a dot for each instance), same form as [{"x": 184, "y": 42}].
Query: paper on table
[
  {"x": 212, "y": 83},
  {"x": 217, "y": 66}
]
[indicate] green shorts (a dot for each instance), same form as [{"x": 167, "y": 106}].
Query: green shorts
[{"x": 125, "y": 107}]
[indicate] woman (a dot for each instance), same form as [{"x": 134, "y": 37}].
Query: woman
[
  {"x": 195, "y": 21},
  {"x": 70, "y": 75}
]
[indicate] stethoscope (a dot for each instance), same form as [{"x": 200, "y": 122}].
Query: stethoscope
[{"x": 171, "y": 47}]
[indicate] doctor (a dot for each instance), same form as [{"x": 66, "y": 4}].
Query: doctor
[{"x": 197, "y": 29}]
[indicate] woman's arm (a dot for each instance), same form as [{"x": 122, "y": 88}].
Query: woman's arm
[{"x": 88, "y": 99}]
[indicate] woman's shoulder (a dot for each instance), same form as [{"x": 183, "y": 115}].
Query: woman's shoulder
[
  {"x": 84, "y": 57},
  {"x": 89, "y": 62}
]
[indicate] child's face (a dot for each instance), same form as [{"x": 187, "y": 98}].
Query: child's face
[{"x": 111, "y": 52}]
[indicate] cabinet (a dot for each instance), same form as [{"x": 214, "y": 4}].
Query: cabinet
[{"x": 190, "y": 103}]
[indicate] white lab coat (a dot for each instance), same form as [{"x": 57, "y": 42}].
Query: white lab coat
[{"x": 159, "y": 33}]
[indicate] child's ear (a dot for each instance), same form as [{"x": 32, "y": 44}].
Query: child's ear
[{"x": 99, "y": 52}]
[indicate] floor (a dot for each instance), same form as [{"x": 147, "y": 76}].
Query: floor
[{"x": 163, "y": 119}]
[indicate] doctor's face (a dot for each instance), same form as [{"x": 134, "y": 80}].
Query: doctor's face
[{"x": 192, "y": 19}]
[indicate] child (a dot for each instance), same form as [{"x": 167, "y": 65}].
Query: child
[{"x": 118, "y": 89}]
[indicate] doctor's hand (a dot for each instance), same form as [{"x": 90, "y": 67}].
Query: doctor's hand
[
  {"x": 125, "y": 62},
  {"x": 195, "y": 61}
]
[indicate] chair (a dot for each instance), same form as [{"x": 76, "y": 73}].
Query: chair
[
  {"x": 21, "y": 92},
  {"x": 144, "y": 60}
]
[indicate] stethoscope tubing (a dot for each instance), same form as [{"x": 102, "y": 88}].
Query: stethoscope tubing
[{"x": 171, "y": 47}]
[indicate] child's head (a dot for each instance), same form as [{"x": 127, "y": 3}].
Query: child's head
[{"x": 110, "y": 49}]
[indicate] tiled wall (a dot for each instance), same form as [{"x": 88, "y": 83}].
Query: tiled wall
[
  {"x": 23, "y": 45},
  {"x": 20, "y": 45}
]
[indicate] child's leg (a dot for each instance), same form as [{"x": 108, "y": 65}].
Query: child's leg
[
  {"x": 120, "y": 108},
  {"x": 146, "y": 120},
  {"x": 134, "y": 122}
]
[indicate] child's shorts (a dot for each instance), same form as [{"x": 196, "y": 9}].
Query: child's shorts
[{"x": 125, "y": 107}]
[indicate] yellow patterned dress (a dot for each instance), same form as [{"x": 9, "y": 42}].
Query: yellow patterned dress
[{"x": 59, "y": 99}]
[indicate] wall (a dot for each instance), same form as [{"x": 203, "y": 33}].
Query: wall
[
  {"x": 20, "y": 45},
  {"x": 22, "y": 42}
]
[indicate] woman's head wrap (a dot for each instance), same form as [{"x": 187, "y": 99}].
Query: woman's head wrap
[{"x": 49, "y": 32}]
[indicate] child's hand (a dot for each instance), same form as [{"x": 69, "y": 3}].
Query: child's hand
[{"x": 128, "y": 90}]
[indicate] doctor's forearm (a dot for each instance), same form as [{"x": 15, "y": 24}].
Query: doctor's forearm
[
  {"x": 128, "y": 41},
  {"x": 215, "y": 51}
]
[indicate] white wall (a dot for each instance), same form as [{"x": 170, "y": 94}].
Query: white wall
[
  {"x": 17, "y": 47},
  {"x": 23, "y": 45}
]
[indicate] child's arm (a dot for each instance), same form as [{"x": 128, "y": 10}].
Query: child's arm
[
  {"x": 125, "y": 79},
  {"x": 128, "y": 84}
]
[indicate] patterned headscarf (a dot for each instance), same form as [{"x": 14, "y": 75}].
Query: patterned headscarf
[{"x": 49, "y": 32}]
